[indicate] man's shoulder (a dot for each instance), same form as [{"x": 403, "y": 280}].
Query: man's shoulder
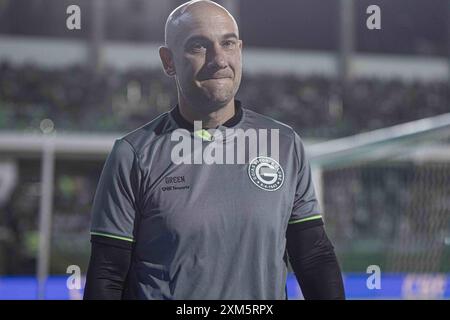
[
  {"x": 148, "y": 133},
  {"x": 259, "y": 121}
]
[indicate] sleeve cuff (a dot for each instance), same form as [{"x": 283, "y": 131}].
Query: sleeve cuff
[
  {"x": 305, "y": 223},
  {"x": 105, "y": 239}
]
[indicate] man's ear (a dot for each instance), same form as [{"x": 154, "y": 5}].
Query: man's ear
[{"x": 166, "y": 58}]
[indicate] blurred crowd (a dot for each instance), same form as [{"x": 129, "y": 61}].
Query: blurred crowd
[
  {"x": 74, "y": 188},
  {"x": 79, "y": 99}
]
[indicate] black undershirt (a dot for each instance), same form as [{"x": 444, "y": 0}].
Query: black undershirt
[{"x": 314, "y": 261}]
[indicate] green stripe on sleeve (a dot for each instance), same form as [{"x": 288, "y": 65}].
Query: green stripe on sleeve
[
  {"x": 111, "y": 236},
  {"x": 306, "y": 219}
]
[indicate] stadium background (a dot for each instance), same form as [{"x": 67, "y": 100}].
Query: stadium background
[{"x": 372, "y": 106}]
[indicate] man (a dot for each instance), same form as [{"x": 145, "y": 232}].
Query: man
[{"x": 165, "y": 230}]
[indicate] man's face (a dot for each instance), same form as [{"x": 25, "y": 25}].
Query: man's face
[{"x": 207, "y": 59}]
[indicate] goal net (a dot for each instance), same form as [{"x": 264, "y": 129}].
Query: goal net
[{"x": 386, "y": 196}]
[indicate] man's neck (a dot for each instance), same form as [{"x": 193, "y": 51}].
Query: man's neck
[{"x": 209, "y": 120}]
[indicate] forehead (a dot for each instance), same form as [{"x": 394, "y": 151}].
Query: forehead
[{"x": 212, "y": 25}]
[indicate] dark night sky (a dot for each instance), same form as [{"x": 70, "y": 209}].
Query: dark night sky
[{"x": 408, "y": 26}]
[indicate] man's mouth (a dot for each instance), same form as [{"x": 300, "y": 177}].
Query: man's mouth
[
  {"x": 216, "y": 77},
  {"x": 221, "y": 78}
]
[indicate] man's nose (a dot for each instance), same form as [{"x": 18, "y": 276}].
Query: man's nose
[{"x": 216, "y": 59}]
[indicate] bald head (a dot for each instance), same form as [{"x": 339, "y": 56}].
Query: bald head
[
  {"x": 188, "y": 13},
  {"x": 203, "y": 53}
]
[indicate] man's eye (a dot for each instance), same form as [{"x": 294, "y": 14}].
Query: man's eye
[
  {"x": 197, "y": 47},
  {"x": 229, "y": 44}
]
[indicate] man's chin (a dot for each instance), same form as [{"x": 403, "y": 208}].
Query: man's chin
[
  {"x": 210, "y": 100},
  {"x": 211, "y": 104},
  {"x": 218, "y": 99}
]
